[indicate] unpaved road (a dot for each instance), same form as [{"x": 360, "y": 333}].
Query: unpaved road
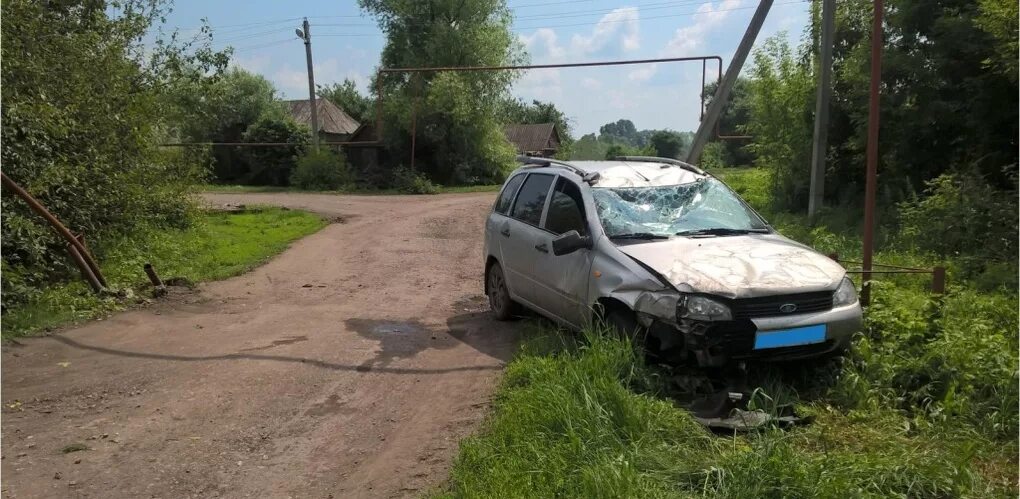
[{"x": 349, "y": 366}]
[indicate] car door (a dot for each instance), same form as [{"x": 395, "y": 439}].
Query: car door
[
  {"x": 520, "y": 235},
  {"x": 562, "y": 281}
]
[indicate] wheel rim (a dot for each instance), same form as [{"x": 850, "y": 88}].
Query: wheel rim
[{"x": 496, "y": 291}]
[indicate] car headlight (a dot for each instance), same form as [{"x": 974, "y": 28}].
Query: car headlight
[
  {"x": 846, "y": 293},
  {"x": 702, "y": 308}
]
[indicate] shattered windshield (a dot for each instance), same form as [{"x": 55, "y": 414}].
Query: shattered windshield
[{"x": 704, "y": 205}]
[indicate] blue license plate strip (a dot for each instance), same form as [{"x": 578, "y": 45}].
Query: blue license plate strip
[{"x": 789, "y": 337}]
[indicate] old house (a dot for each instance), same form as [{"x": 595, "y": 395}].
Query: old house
[
  {"x": 540, "y": 139},
  {"x": 334, "y": 124}
]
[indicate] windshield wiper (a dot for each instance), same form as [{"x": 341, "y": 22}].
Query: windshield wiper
[
  {"x": 720, "y": 231},
  {"x": 639, "y": 235}
]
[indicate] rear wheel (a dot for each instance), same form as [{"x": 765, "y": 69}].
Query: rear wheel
[{"x": 499, "y": 297}]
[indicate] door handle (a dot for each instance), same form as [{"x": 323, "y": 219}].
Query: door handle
[
  {"x": 505, "y": 231},
  {"x": 542, "y": 247}
]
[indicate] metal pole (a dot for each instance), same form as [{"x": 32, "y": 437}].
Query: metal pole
[
  {"x": 307, "y": 36},
  {"x": 414, "y": 117},
  {"x": 871, "y": 181},
  {"x": 820, "y": 146},
  {"x": 722, "y": 93}
]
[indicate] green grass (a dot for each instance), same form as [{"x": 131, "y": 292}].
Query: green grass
[
  {"x": 364, "y": 192},
  {"x": 217, "y": 246},
  {"x": 925, "y": 404}
]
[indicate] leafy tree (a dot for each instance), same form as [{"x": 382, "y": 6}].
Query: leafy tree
[
  {"x": 459, "y": 139},
  {"x": 588, "y": 147},
  {"x": 346, "y": 96},
  {"x": 273, "y": 165},
  {"x": 221, "y": 110},
  {"x": 622, "y": 131},
  {"x": 667, "y": 143},
  {"x": 84, "y": 109},
  {"x": 517, "y": 111},
  {"x": 734, "y": 119}
]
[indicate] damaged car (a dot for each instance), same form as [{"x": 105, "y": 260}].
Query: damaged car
[{"x": 663, "y": 251}]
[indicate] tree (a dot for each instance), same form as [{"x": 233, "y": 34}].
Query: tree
[
  {"x": 347, "y": 97},
  {"x": 667, "y": 143},
  {"x": 220, "y": 110},
  {"x": 84, "y": 109},
  {"x": 459, "y": 138},
  {"x": 517, "y": 111},
  {"x": 733, "y": 121},
  {"x": 273, "y": 165},
  {"x": 622, "y": 131}
]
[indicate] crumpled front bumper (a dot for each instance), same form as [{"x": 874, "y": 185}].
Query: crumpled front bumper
[{"x": 716, "y": 343}]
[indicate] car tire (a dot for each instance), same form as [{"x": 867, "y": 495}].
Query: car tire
[
  {"x": 503, "y": 308},
  {"x": 626, "y": 326}
]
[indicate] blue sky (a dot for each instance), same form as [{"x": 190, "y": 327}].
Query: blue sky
[{"x": 346, "y": 44}]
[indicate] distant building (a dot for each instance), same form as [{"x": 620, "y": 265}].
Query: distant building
[
  {"x": 540, "y": 139},
  {"x": 334, "y": 124}
]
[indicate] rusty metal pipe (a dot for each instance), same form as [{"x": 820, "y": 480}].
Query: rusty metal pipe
[
  {"x": 871, "y": 180},
  {"x": 86, "y": 272},
  {"x": 59, "y": 227},
  {"x": 157, "y": 283}
]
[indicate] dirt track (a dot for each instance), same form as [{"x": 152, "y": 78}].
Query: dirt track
[{"x": 349, "y": 366}]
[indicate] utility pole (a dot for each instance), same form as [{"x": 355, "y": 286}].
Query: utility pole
[
  {"x": 306, "y": 35},
  {"x": 871, "y": 180},
  {"x": 722, "y": 94},
  {"x": 820, "y": 146}
]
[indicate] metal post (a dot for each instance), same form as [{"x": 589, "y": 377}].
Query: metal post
[
  {"x": 820, "y": 145},
  {"x": 306, "y": 35},
  {"x": 158, "y": 288},
  {"x": 871, "y": 180},
  {"x": 938, "y": 280},
  {"x": 414, "y": 117},
  {"x": 722, "y": 93}
]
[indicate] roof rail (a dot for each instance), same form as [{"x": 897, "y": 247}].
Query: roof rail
[
  {"x": 588, "y": 177},
  {"x": 668, "y": 161}
]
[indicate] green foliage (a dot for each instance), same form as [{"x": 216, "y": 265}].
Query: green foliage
[
  {"x": 615, "y": 150},
  {"x": 667, "y": 143},
  {"x": 273, "y": 165},
  {"x": 781, "y": 89},
  {"x": 411, "y": 182},
  {"x": 218, "y": 245},
  {"x": 963, "y": 217},
  {"x": 347, "y": 97},
  {"x": 459, "y": 138},
  {"x": 84, "y": 106},
  {"x": 734, "y": 119},
  {"x": 322, "y": 170}
]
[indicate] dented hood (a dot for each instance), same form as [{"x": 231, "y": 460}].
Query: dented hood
[{"x": 739, "y": 266}]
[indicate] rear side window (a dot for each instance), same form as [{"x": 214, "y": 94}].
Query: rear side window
[
  {"x": 507, "y": 197},
  {"x": 566, "y": 210},
  {"x": 531, "y": 200}
]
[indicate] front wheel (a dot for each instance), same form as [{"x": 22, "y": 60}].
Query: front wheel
[{"x": 499, "y": 297}]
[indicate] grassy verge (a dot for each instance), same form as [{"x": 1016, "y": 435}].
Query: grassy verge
[
  {"x": 925, "y": 405},
  {"x": 363, "y": 192},
  {"x": 217, "y": 246}
]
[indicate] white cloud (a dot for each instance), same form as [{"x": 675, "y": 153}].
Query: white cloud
[
  {"x": 543, "y": 43},
  {"x": 591, "y": 84},
  {"x": 622, "y": 23},
  {"x": 254, "y": 64},
  {"x": 643, "y": 73},
  {"x": 294, "y": 82},
  {"x": 541, "y": 84},
  {"x": 685, "y": 40}
]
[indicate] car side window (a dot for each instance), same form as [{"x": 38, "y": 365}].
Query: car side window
[
  {"x": 566, "y": 210},
  {"x": 531, "y": 198},
  {"x": 506, "y": 198}
]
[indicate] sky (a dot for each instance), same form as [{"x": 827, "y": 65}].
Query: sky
[{"x": 346, "y": 44}]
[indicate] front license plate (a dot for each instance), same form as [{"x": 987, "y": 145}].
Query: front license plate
[{"x": 789, "y": 337}]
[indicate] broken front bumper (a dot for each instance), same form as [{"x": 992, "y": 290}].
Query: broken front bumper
[{"x": 716, "y": 343}]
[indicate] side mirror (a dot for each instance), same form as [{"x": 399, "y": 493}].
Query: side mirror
[{"x": 570, "y": 242}]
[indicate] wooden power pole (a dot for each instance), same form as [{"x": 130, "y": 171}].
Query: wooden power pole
[
  {"x": 722, "y": 94},
  {"x": 306, "y": 35},
  {"x": 820, "y": 146}
]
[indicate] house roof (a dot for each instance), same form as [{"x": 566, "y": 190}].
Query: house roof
[
  {"x": 332, "y": 119},
  {"x": 528, "y": 137}
]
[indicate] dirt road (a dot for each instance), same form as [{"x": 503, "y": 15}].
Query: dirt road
[{"x": 349, "y": 366}]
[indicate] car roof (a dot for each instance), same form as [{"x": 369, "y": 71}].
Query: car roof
[{"x": 618, "y": 173}]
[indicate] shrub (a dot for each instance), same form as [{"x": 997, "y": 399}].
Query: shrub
[
  {"x": 321, "y": 170},
  {"x": 411, "y": 182},
  {"x": 273, "y": 165},
  {"x": 963, "y": 217}
]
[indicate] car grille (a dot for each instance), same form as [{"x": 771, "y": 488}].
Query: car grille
[{"x": 769, "y": 306}]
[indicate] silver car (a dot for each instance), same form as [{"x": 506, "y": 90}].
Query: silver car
[{"x": 660, "y": 248}]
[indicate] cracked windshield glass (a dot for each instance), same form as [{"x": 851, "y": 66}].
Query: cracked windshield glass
[{"x": 704, "y": 205}]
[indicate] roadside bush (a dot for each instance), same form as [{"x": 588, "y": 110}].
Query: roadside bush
[
  {"x": 961, "y": 216},
  {"x": 410, "y": 182},
  {"x": 321, "y": 170},
  {"x": 273, "y": 165}
]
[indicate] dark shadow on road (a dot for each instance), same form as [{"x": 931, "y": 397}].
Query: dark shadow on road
[{"x": 277, "y": 358}]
